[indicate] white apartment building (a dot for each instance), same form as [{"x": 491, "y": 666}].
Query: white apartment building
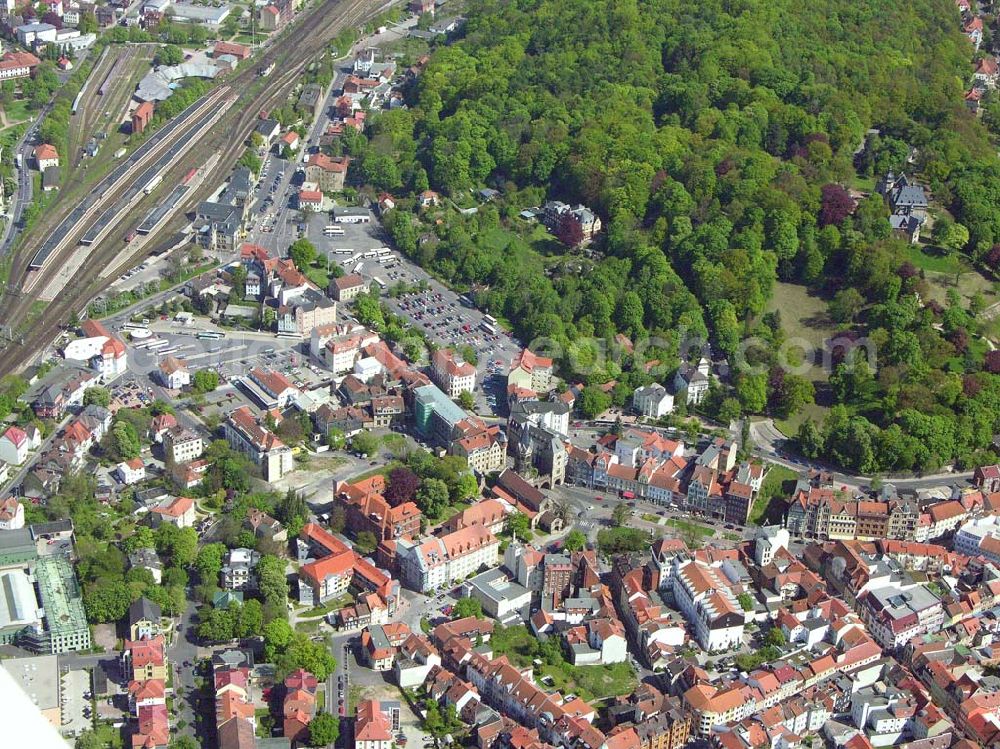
[
  {"x": 237, "y": 573},
  {"x": 451, "y": 374},
  {"x": 182, "y": 445},
  {"x": 652, "y": 401},
  {"x": 704, "y": 597},
  {"x": 440, "y": 562},
  {"x": 244, "y": 434},
  {"x": 340, "y": 354}
]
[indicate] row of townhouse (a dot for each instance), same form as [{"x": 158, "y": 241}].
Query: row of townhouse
[
  {"x": 233, "y": 684},
  {"x": 706, "y": 599},
  {"x": 654, "y": 630},
  {"x": 65, "y": 393},
  {"x": 823, "y": 513},
  {"x": 847, "y": 649},
  {"x": 649, "y": 466},
  {"x": 68, "y": 451},
  {"x": 955, "y": 679},
  {"x": 893, "y": 603},
  {"x": 144, "y": 663}
]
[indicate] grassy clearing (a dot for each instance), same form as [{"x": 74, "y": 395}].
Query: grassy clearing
[
  {"x": 318, "y": 276},
  {"x": 394, "y": 443},
  {"x": 447, "y": 512},
  {"x": 592, "y": 683},
  {"x": 326, "y": 608},
  {"x": 702, "y": 530},
  {"x": 517, "y": 643},
  {"x": 930, "y": 258},
  {"x": 805, "y": 320},
  {"x": 770, "y": 504},
  {"x": 355, "y": 694},
  {"x": 535, "y": 236},
  {"x": 408, "y": 49},
  {"x": 790, "y": 426},
  {"x": 587, "y": 682},
  {"x": 968, "y": 283},
  {"x": 864, "y": 184},
  {"x": 17, "y": 111}
]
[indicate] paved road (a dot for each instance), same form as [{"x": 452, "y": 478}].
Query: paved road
[
  {"x": 770, "y": 443},
  {"x": 18, "y": 476},
  {"x": 187, "y": 708},
  {"x": 338, "y": 682},
  {"x": 23, "y": 194}
]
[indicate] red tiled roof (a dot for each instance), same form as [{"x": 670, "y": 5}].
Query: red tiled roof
[
  {"x": 175, "y": 508},
  {"x": 13, "y": 60},
  {"x": 371, "y": 723},
  {"x": 348, "y": 281},
  {"x": 16, "y": 435},
  {"x": 45, "y": 152},
  {"x": 941, "y": 511},
  {"x": 337, "y": 164}
]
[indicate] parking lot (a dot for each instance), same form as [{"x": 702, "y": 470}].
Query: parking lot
[
  {"x": 234, "y": 354},
  {"x": 437, "y": 311},
  {"x": 74, "y": 688}
]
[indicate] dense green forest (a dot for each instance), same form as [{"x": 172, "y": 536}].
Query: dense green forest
[{"x": 716, "y": 141}]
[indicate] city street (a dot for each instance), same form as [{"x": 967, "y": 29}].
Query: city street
[{"x": 187, "y": 708}]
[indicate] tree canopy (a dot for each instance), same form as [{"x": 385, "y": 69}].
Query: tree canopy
[{"x": 720, "y": 156}]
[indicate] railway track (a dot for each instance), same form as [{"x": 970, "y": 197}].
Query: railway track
[
  {"x": 308, "y": 36},
  {"x": 120, "y": 178}
]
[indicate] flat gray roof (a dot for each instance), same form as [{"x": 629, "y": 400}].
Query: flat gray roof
[
  {"x": 38, "y": 677},
  {"x": 496, "y": 586}
]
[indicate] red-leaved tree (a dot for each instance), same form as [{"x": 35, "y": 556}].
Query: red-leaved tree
[
  {"x": 836, "y": 204},
  {"x": 569, "y": 231},
  {"x": 403, "y": 485}
]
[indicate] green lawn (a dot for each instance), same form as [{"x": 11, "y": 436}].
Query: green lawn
[
  {"x": 587, "y": 682},
  {"x": 326, "y": 608},
  {"x": 790, "y": 426},
  {"x": 770, "y": 504},
  {"x": 447, "y": 512},
  {"x": 865, "y": 184},
  {"x": 592, "y": 683},
  {"x": 355, "y": 694},
  {"x": 17, "y": 111},
  {"x": 927, "y": 257},
  {"x": 805, "y": 320},
  {"x": 702, "y": 530},
  {"x": 409, "y": 47},
  {"x": 318, "y": 276},
  {"x": 394, "y": 443},
  {"x": 969, "y": 283},
  {"x": 516, "y": 642},
  {"x": 535, "y": 236},
  {"x": 108, "y": 736}
]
